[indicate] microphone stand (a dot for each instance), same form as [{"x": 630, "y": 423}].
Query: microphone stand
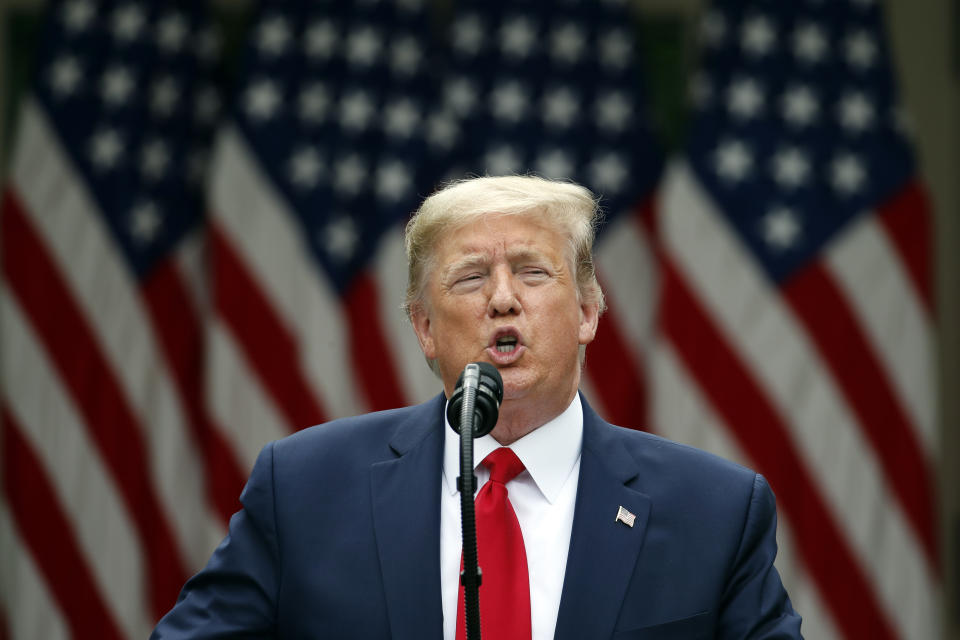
[{"x": 471, "y": 575}]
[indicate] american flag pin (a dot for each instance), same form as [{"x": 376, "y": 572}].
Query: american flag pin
[{"x": 625, "y": 517}]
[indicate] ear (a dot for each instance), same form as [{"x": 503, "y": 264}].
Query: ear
[
  {"x": 589, "y": 318},
  {"x": 420, "y": 320}
]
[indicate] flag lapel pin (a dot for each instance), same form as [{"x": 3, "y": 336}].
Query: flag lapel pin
[{"x": 625, "y": 517}]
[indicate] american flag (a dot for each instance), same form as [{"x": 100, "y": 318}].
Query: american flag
[{"x": 796, "y": 317}]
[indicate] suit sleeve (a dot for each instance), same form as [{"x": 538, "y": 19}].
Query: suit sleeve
[
  {"x": 755, "y": 605},
  {"x": 235, "y": 594}
]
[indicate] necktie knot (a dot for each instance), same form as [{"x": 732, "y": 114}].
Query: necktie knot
[{"x": 504, "y": 465}]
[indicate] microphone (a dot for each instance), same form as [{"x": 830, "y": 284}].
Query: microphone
[{"x": 482, "y": 381}]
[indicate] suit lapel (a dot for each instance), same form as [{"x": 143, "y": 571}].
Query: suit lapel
[
  {"x": 603, "y": 551},
  {"x": 406, "y": 517}
]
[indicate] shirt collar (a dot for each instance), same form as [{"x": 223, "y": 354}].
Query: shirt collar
[{"x": 549, "y": 452}]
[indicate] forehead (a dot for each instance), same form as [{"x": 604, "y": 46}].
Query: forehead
[{"x": 501, "y": 233}]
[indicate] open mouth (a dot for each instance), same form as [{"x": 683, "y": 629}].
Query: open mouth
[{"x": 506, "y": 344}]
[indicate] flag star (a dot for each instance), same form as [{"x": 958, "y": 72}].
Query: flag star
[
  {"x": 363, "y": 47},
  {"x": 128, "y": 22},
  {"x": 468, "y": 35},
  {"x": 809, "y": 43},
  {"x": 713, "y": 28},
  {"x": 847, "y": 174},
  {"x": 207, "y": 45},
  {"x": 197, "y": 166},
  {"x": 613, "y": 111},
  {"x": 560, "y": 107},
  {"x": 164, "y": 96},
  {"x": 502, "y": 160},
  {"x": 207, "y": 105},
  {"x": 509, "y": 101},
  {"x": 554, "y": 164},
  {"x": 442, "y": 131},
  {"x": 517, "y": 37},
  {"x": 608, "y": 172},
  {"x": 145, "y": 222},
  {"x": 616, "y": 49},
  {"x": 349, "y": 174},
  {"x": 780, "y": 228},
  {"x": 77, "y": 15},
  {"x": 861, "y": 50},
  {"x": 154, "y": 159},
  {"x": 733, "y": 161},
  {"x": 305, "y": 168},
  {"x": 401, "y": 118},
  {"x": 393, "y": 181},
  {"x": 745, "y": 98},
  {"x": 65, "y": 76},
  {"x": 791, "y": 167},
  {"x": 799, "y": 106},
  {"x": 313, "y": 103},
  {"x": 273, "y": 36},
  {"x": 701, "y": 90},
  {"x": 758, "y": 36},
  {"x": 856, "y": 112},
  {"x": 356, "y": 110},
  {"x": 116, "y": 85},
  {"x": 320, "y": 40},
  {"x": 405, "y": 56},
  {"x": 261, "y": 100},
  {"x": 340, "y": 238},
  {"x": 106, "y": 147},
  {"x": 567, "y": 43},
  {"x": 460, "y": 95},
  {"x": 410, "y": 5},
  {"x": 172, "y": 33}
]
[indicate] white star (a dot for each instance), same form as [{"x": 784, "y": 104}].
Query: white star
[
  {"x": 356, "y": 110},
  {"x": 116, "y": 86},
  {"x": 197, "y": 166},
  {"x": 847, "y": 174},
  {"x": 861, "y": 50},
  {"x": 560, "y": 107},
  {"x": 517, "y": 37},
  {"x": 207, "y": 105},
  {"x": 363, "y": 47},
  {"x": 502, "y": 160},
  {"x": 745, "y": 98},
  {"x": 145, "y": 222},
  {"x": 349, "y": 174},
  {"x": 554, "y": 164},
  {"x": 405, "y": 56},
  {"x": 400, "y": 118},
  {"x": 172, "y": 32},
  {"x": 613, "y": 111},
  {"x": 758, "y": 36},
  {"x": 791, "y": 167},
  {"x": 393, "y": 181},
  {"x": 701, "y": 90},
  {"x": 154, "y": 159},
  {"x": 305, "y": 168},
  {"x": 164, "y": 96},
  {"x": 799, "y": 106},
  {"x": 567, "y": 43},
  {"x": 608, "y": 172},
  {"x": 313, "y": 103},
  {"x": 468, "y": 35},
  {"x": 106, "y": 147},
  {"x": 509, "y": 101},
  {"x": 320, "y": 40},
  {"x": 442, "y": 130},
  {"x": 261, "y": 100},
  {"x": 713, "y": 28},
  {"x": 127, "y": 22},
  {"x": 460, "y": 95},
  {"x": 340, "y": 238},
  {"x": 809, "y": 43},
  {"x": 273, "y": 36},
  {"x": 65, "y": 76},
  {"x": 780, "y": 228},
  {"x": 616, "y": 49},
  {"x": 207, "y": 45},
  {"x": 856, "y": 112},
  {"x": 733, "y": 161},
  {"x": 77, "y": 15}
]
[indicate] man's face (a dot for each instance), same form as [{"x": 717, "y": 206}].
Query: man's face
[{"x": 501, "y": 291}]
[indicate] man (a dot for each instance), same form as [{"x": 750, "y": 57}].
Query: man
[{"x": 351, "y": 529}]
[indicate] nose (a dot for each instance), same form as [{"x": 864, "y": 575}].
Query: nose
[{"x": 503, "y": 294}]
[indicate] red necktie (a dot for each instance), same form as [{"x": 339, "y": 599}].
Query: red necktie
[{"x": 505, "y": 588}]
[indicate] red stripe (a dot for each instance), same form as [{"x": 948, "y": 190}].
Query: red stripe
[
  {"x": 39, "y": 516},
  {"x": 178, "y": 328},
  {"x": 815, "y": 298},
  {"x": 371, "y": 356},
  {"x": 738, "y": 398},
  {"x": 72, "y": 346},
  {"x": 269, "y": 347},
  {"x": 908, "y": 224}
]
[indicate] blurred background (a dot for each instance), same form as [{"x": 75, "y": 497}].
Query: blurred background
[{"x": 201, "y": 250}]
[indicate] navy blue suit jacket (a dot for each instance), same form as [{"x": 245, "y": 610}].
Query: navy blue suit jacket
[{"x": 339, "y": 538}]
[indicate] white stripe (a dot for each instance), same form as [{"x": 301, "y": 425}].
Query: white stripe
[
  {"x": 190, "y": 259},
  {"x": 88, "y": 496},
  {"x": 260, "y": 228},
  {"x": 419, "y": 383},
  {"x": 28, "y": 606},
  {"x": 68, "y": 221},
  {"x": 872, "y": 278},
  {"x": 767, "y": 338}
]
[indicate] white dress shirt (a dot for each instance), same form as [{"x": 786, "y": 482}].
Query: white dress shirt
[{"x": 543, "y": 498}]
